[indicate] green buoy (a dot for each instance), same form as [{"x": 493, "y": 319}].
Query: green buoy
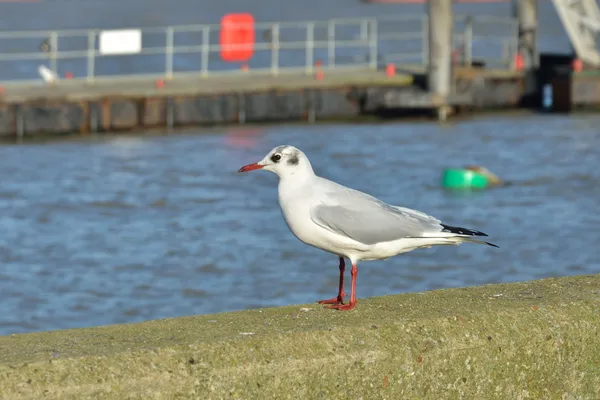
[{"x": 455, "y": 178}]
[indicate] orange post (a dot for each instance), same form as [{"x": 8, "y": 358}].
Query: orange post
[
  {"x": 319, "y": 74},
  {"x": 390, "y": 70},
  {"x": 159, "y": 83},
  {"x": 577, "y": 65},
  {"x": 519, "y": 63}
]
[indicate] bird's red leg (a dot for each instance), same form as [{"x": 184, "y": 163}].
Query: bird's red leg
[
  {"x": 340, "y": 297},
  {"x": 352, "y": 304}
]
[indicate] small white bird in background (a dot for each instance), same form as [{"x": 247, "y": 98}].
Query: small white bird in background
[
  {"x": 46, "y": 74},
  {"x": 349, "y": 223}
]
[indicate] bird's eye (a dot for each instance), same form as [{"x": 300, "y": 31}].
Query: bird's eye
[{"x": 276, "y": 157}]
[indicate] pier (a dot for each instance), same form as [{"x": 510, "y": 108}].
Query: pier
[
  {"x": 435, "y": 62},
  {"x": 535, "y": 339}
]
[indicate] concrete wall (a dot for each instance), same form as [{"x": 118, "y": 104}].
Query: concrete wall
[
  {"x": 532, "y": 340},
  {"x": 74, "y": 107}
]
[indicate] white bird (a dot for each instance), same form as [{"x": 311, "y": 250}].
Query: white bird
[
  {"x": 47, "y": 74},
  {"x": 349, "y": 223}
]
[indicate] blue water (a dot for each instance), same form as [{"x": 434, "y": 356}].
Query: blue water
[{"x": 125, "y": 229}]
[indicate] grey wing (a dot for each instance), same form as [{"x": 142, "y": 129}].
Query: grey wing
[{"x": 369, "y": 221}]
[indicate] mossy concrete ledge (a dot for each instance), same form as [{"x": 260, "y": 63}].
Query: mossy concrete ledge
[{"x": 530, "y": 340}]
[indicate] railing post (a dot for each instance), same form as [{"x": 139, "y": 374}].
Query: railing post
[
  {"x": 373, "y": 45},
  {"x": 506, "y": 52},
  {"x": 425, "y": 40},
  {"x": 331, "y": 44},
  {"x": 205, "y": 49},
  {"x": 514, "y": 45},
  {"x": 364, "y": 30},
  {"x": 54, "y": 53},
  {"x": 91, "y": 56},
  {"x": 169, "y": 53},
  {"x": 468, "y": 42},
  {"x": 310, "y": 45},
  {"x": 275, "y": 49}
]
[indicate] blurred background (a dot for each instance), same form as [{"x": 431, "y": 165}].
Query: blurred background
[
  {"x": 120, "y": 229},
  {"x": 492, "y": 32},
  {"x": 116, "y": 14}
]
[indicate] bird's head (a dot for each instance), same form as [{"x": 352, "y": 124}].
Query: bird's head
[{"x": 285, "y": 161}]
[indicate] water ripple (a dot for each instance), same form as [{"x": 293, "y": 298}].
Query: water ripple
[{"x": 102, "y": 232}]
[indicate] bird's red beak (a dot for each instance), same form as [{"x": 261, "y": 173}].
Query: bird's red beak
[{"x": 250, "y": 167}]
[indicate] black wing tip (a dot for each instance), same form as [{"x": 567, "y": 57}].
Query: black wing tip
[
  {"x": 492, "y": 244},
  {"x": 461, "y": 231}
]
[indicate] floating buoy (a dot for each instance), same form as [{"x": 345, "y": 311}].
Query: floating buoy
[
  {"x": 493, "y": 179},
  {"x": 68, "y": 75},
  {"x": 159, "y": 83},
  {"x": 459, "y": 178}
]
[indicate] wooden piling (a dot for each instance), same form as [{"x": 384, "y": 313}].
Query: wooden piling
[
  {"x": 525, "y": 11},
  {"x": 439, "y": 71}
]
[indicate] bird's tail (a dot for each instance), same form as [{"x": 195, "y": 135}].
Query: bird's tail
[
  {"x": 457, "y": 235},
  {"x": 470, "y": 240}
]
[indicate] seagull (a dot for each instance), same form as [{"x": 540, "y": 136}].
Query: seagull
[
  {"x": 349, "y": 223},
  {"x": 47, "y": 74}
]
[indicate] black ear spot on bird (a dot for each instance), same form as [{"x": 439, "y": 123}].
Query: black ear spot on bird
[{"x": 293, "y": 160}]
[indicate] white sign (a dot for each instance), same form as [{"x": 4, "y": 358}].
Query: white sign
[{"x": 122, "y": 41}]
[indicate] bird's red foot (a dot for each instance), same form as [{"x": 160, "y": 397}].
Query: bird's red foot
[
  {"x": 343, "y": 307},
  {"x": 335, "y": 300}
]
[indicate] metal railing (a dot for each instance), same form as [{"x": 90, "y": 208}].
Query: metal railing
[
  {"x": 493, "y": 40},
  {"x": 194, "y": 50}
]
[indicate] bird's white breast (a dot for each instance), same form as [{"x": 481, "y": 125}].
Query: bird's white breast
[
  {"x": 296, "y": 203},
  {"x": 295, "y": 206}
]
